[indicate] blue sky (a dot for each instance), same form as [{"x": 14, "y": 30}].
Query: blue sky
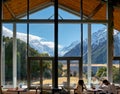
[{"x": 67, "y": 32}]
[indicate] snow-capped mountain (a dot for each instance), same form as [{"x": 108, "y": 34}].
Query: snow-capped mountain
[
  {"x": 99, "y": 36},
  {"x": 41, "y": 45},
  {"x": 38, "y": 43},
  {"x": 99, "y": 46},
  {"x": 35, "y": 42},
  {"x": 68, "y": 48}
]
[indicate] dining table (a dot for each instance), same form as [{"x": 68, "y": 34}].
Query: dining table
[
  {"x": 94, "y": 90},
  {"x": 18, "y": 90}
]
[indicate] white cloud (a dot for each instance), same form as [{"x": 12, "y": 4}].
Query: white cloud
[{"x": 23, "y": 36}]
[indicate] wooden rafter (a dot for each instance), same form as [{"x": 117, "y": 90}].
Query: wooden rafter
[
  {"x": 96, "y": 10},
  {"x": 10, "y": 11}
]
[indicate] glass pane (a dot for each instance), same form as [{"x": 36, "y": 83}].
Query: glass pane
[
  {"x": 69, "y": 40},
  {"x": 47, "y": 74},
  {"x": 21, "y": 54},
  {"x": 34, "y": 73},
  {"x": 99, "y": 52},
  {"x": 72, "y": 7},
  {"x": 46, "y": 13},
  {"x": 116, "y": 43},
  {"x": 63, "y": 14},
  {"x": 96, "y": 54},
  {"x": 7, "y": 55},
  {"x": 74, "y": 73},
  {"x": 62, "y": 73},
  {"x": 116, "y": 72},
  {"x": 41, "y": 40}
]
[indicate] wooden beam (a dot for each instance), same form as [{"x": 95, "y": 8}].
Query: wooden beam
[
  {"x": 95, "y": 10},
  {"x": 10, "y": 11}
]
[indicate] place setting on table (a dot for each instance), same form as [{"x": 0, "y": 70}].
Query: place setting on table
[{"x": 94, "y": 89}]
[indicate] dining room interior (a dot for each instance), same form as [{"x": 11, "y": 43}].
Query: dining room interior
[{"x": 46, "y": 46}]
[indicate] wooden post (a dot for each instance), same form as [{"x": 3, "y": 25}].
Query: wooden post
[{"x": 110, "y": 40}]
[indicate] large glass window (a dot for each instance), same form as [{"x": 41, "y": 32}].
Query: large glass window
[
  {"x": 69, "y": 40},
  {"x": 41, "y": 43},
  {"x": 96, "y": 52},
  {"x": 21, "y": 40},
  {"x": 41, "y": 39},
  {"x": 7, "y": 55}
]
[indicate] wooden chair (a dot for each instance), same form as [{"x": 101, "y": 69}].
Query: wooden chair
[{"x": 1, "y": 90}]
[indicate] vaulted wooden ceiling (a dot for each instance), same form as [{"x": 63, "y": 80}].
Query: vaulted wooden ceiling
[{"x": 92, "y": 9}]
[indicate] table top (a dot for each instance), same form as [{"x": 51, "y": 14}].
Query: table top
[
  {"x": 94, "y": 90},
  {"x": 16, "y": 89}
]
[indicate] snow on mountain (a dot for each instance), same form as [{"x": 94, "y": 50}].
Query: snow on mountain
[
  {"x": 98, "y": 39},
  {"x": 68, "y": 48},
  {"x": 36, "y": 42},
  {"x": 99, "y": 36},
  {"x": 41, "y": 45}
]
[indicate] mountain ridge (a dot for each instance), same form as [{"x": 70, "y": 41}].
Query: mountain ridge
[{"x": 42, "y": 46}]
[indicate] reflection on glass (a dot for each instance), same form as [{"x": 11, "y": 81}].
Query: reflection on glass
[
  {"x": 21, "y": 39},
  {"x": 62, "y": 73},
  {"x": 35, "y": 72},
  {"x": 74, "y": 73},
  {"x": 116, "y": 72},
  {"x": 47, "y": 74},
  {"x": 98, "y": 51},
  {"x": 95, "y": 57},
  {"x": 7, "y": 55}
]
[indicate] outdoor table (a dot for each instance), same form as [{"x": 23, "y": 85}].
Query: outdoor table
[{"x": 18, "y": 90}]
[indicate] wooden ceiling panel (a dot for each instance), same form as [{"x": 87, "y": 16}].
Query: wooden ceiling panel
[
  {"x": 101, "y": 14},
  {"x": 91, "y": 8},
  {"x": 71, "y": 4},
  {"x": 19, "y": 7},
  {"x": 6, "y": 13},
  {"x": 14, "y": 8},
  {"x": 39, "y": 3},
  {"x": 117, "y": 18}
]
